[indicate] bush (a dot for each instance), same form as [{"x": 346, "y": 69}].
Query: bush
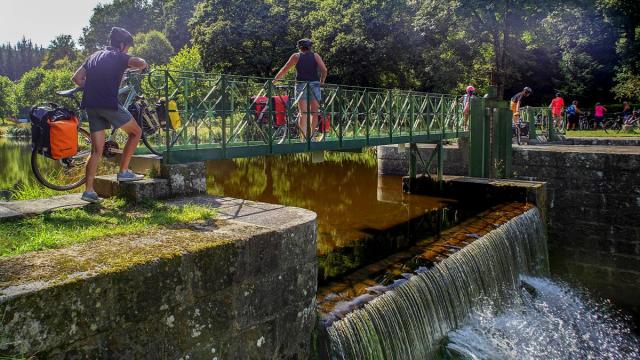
[{"x": 19, "y": 132}]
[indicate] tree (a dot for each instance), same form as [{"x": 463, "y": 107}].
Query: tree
[
  {"x": 242, "y": 37},
  {"x": 134, "y": 15},
  {"x": 7, "y": 98},
  {"x": 60, "y": 53},
  {"x": 18, "y": 59},
  {"x": 177, "y": 14},
  {"x": 39, "y": 86},
  {"x": 153, "y": 47},
  {"x": 368, "y": 43}
]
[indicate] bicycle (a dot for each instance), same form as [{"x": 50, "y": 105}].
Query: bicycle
[
  {"x": 613, "y": 124},
  {"x": 69, "y": 173},
  {"x": 519, "y": 129},
  {"x": 284, "y": 124}
]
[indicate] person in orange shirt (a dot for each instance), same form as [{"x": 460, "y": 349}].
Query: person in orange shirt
[{"x": 557, "y": 106}]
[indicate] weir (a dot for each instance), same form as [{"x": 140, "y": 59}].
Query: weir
[{"x": 410, "y": 321}]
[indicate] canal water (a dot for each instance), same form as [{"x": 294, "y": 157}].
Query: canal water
[{"x": 363, "y": 218}]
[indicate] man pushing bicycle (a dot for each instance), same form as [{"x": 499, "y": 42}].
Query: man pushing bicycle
[{"x": 100, "y": 76}]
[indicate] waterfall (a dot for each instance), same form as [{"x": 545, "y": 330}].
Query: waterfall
[{"x": 411, "y": 321}]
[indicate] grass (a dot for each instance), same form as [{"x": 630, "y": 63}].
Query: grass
[
  {"x": 601, "y": 133},
  {"x": 32, "y": 190},
  {"x": 112, "y": 218}
]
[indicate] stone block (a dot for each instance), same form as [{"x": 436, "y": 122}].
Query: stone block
[
  {"x": 185, "y": 179},
  {"x": 153, "y": 188}
]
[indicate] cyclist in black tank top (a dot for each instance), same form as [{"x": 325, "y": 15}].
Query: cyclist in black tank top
[{"x": 311, "y": 73}]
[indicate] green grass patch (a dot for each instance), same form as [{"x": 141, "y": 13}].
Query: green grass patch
[
  {"x": 602, "y": 133},
  {"x": 33, "y": 190},
  {"x": 112, "y": 218}
]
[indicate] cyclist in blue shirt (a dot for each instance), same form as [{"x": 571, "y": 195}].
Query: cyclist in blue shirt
[
  {"x": 100, "y": 76},
  {"x": 572, "y": 115}
]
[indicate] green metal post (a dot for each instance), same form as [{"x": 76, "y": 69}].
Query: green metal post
[
  {"x": 550, "y": 125},
  {"x": 413, "y": 159},
  {"x": 223, "y": 87},
  {"x": 412, "y": 115},
  {"x": 390, "y": 116},
  {"x": 342, "y": 113},
  {"x": 270, "y": 114},
  {"x": 367, "y": 116},
  {"x": 440, "y": 165},
  {"x": 532, "y": 124},
  {"x": 166, "y": 116},
  {"x": 478, "y": 139}
]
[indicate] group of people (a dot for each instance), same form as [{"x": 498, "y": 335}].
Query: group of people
[{"x": 557, "y": 107}]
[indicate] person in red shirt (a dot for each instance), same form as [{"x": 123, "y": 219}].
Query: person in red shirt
[{"x": 557, "y": 106}]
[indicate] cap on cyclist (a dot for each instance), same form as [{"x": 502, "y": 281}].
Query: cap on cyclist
[
  {"x": 470, "y": 89},
  {"x": 527, "y": 90},
  {"x": 120, "y": 38}
]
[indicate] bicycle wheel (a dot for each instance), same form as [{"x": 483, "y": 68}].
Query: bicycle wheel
[
  {"x": 63, "y": 174},
  {"x": 154, "y": 132}
]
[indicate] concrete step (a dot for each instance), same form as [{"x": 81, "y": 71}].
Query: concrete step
[
  {"x": 154, "y": 188},
  {"x": 141, "y": 164}
]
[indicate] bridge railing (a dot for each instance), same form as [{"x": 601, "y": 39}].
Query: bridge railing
[
  {"x": 541, "y": 122},
  {"x": 236, "y": 116}
]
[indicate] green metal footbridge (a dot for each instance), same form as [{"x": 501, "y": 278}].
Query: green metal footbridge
[{"x": 228, "y": 116}]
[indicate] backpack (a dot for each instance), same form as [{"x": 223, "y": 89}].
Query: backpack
[
  {"x": 54, "y": 131},
  {"x": 571, "y": 110}
]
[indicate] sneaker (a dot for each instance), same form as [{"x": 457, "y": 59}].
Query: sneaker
[
  {"x": 129, "y": 175},
  {"x": 91, "y": 196}
]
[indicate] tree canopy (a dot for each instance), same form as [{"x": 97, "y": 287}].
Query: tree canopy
[{"x": 585, "y": 49}]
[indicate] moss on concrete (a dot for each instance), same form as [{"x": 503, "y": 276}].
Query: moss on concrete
[{"x": 113, "y": 218}]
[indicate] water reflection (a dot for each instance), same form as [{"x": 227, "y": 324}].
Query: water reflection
[
  {"x": 15, "y": 165},
  {"x": 362, "y": 217}
]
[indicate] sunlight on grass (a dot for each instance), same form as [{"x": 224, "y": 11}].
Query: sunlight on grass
[
  {"x": 112, "y": 218},
  {"x": 601, "y": 133},
  {"x": 32, "y": 190}
]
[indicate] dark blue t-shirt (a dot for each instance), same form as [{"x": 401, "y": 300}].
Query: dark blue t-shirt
[{"x": 105, "y": 69}]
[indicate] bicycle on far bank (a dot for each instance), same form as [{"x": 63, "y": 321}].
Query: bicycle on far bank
[{"x": 69, "y": 173}]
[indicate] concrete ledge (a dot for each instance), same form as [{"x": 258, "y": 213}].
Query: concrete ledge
[
  {"x": 482, "y": 193},
  {"x": 607, "y": 141},
  {"x": 394, "y": 160},
  {"x": 225, "y": 289},
  {"x": 13, "y": 209}
]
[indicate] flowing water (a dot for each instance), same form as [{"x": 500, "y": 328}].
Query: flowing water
[{"x": 491, "y": 300}]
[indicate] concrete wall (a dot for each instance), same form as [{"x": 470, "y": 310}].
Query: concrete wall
[
  {"x": 594, "y": 212},
  {"x": 594, "y": 208},
  {"x": 232, "y": 289}
]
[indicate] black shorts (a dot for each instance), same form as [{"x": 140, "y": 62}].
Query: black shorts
[
  {"x": 572, "y": 119},
  {"x": 599, "y": 120}
]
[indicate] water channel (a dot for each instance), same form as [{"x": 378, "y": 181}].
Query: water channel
[{"x": 363, "y": 218}]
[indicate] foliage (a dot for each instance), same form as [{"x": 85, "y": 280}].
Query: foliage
[
  {"x": 18, "y": 59},
  {"x": 60, "y": 53},
  {"x": 187, "y": 59},
  {"x": 39, "y": 86},
  {"x": 114, "y": 217},
  {"x": 152, "y": 46},
  {"x": 7, "y": 98},
  {"x": 247, "y": 38},
  {"x": 177, "y": 14},
  {"x": 134, "y": 15}
]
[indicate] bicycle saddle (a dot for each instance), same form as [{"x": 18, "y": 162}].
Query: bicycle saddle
[{"x": 69, "y": 93}]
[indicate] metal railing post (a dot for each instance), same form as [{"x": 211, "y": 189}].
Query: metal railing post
[
  {"x": 270, "y": 113},
  {"x": 390, "y": 115},
  {"x": 308, "y": 94},
  {"x": 166, "y": 116},
  {"x": 223, "y": 87}
]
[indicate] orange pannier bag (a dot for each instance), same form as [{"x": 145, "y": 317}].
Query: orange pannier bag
[{"x": 63, "y": 137}]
